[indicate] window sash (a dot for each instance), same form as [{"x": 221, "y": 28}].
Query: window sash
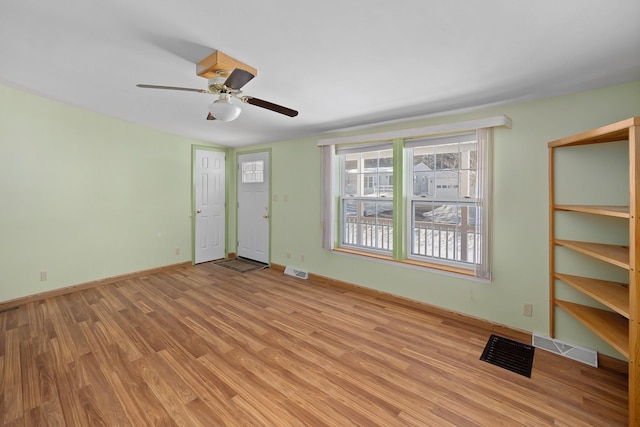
[
  {"x": 447, "y": 233},
  {"x": 454, "y": 243},
  {"x": 440, "y": 230},
  {"x": 366, "y": 211},
  {"x": 367, "y": 224}
]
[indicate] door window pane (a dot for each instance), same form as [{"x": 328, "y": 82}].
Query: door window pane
[{"x": 253, "y": 172}]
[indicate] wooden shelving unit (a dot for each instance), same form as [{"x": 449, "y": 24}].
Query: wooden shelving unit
[{"x": 617, "y": 323}]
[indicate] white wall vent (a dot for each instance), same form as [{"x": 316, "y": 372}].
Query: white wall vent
[
  {"x": 585, "y": 355},
  {"x": 296, "y": 273}
]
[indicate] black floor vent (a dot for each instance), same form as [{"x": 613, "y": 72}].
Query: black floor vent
[{"x": 509, "y": 354}]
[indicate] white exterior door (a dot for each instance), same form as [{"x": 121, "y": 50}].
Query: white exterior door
[
  {"x": 209, "y": 215},
  {"x": 253, "y": 206}
]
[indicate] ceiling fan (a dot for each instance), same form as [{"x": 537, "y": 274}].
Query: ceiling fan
[{"x": 226, "y": 85}]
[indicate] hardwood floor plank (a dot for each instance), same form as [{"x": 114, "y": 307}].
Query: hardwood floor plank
[
  {"x": 97, "y": 413},
  {"x": 203, "y": 345},
  {"x": 12, "y": 377},
  {"x": 68, "y": 384},
  {"x": 211, "y": 390},
  {"x": 251, "y": 391},
  {"x": 30, "y": 379},
  {"x": 97, "y": 398},
  {"x": 134, "y": 393},
  {"x": 327, "y": 374},
  {"x": 287, "y": 387},
  {"x": 166, "y": 394}
]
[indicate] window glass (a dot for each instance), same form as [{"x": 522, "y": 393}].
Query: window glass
[
  {"x": 366, "y": 208},
  {"x": 444, "y": 209},
  {"x": 445, "y": 231},
  {"x": 253, "y": 172}
]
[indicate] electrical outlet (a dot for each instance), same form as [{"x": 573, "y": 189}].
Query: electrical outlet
[
  {"x": 44, "y": 276},
  {"x": 301, "y": 258},
  {"x": 177, "y": 251},
  {"x": 288, "y": 254},
  {"x": 527, "y": 310}
]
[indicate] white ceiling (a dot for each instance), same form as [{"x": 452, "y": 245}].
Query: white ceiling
[{"x": 341, "y": 63}]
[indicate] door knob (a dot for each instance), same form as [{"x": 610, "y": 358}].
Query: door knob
[
  {"x": 265, "y": 216},
  {"x": 198, "y": 210}
]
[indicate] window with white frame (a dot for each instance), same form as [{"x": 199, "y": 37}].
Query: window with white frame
[
  {"x": 436, "y": 214},
  {"x": 366, "y": 197},
  {"x": 445, "y": 215}
]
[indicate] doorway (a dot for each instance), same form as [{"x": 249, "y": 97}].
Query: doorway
[
  {"x": 253, "y": 206},
  {"x": 209, "y": 195}
]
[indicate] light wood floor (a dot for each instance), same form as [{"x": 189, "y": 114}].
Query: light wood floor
[{"x": 203, "y": 345}]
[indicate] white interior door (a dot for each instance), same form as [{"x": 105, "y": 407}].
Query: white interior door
[
  {"x": 253, "y": 206},
  {"x": 209, "y": 215}
]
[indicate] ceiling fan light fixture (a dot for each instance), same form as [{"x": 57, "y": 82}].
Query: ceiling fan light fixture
[{"x": 222, "y": 109}]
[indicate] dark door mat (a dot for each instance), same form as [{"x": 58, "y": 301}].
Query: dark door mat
[
  {"x": 241, "y": 265},
  {"x": 509, "y": 354}
]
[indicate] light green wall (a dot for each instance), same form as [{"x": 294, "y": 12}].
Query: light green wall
[
  {"x": 85, "y": 197},
  {"x": 520, "y": 215}
]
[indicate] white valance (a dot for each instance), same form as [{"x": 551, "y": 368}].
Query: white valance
[
  {"x": 441, "y": 140},
  {"x": 465, "y": 126}
]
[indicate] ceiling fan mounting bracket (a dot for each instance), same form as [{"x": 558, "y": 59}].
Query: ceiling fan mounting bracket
[
  {"x": 218, "y": 63},
  {"x": 216, "y": 84}
]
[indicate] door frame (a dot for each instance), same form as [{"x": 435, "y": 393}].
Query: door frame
[
  {"x": 236, "y": 168},
  {"x": 194, "y": 148}
]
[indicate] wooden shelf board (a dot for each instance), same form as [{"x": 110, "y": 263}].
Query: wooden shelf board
[
  {"x": 617, "y": 211},
  {"x": 614, "y": 254},
  {"x": 608, "y": 325},
  {"x": 614, "y": 295},
  {"x": 614, "y": 132}
]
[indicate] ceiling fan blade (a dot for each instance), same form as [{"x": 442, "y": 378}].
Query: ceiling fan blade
[
  {"x": 210, "y": 117},
  {"x": 270, "y": 106},
  {"x": 187, "y": 89},
  {"x": 238, "y": 78}
]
